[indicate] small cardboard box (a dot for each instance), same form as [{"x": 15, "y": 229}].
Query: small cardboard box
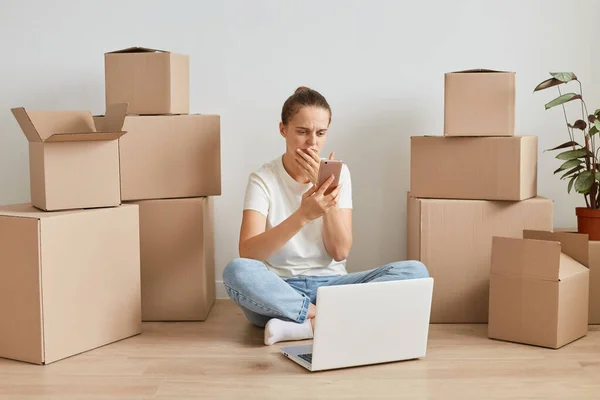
[
  {"x": 453, "y": 238},
  {"x": 73, "y": 163},
  {"x": 177, "y": 259},
  {"x": 69, "y": 280},
  {"x": 500, "y": 168},
  {"x": 479, "y": 102},
  {"x": 170, "y": 156},
  {"x": 594, "y": 267},
  {"x": 151, "y": 81},
  {"x": 539, "y": 288}
]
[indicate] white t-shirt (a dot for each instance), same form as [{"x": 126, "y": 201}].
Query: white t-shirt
[{"x": 275, "y": 194}]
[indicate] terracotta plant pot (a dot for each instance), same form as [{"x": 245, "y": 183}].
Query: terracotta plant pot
[{"x": 588, "y": 221}]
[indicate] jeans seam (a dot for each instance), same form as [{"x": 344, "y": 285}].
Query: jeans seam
[{"x": 303, "y": 311}]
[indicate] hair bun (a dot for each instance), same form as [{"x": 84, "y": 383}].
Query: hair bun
[{"x": 302, "y": 89}]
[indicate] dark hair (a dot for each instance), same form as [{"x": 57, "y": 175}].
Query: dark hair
[{"x": 302, "y": 97}]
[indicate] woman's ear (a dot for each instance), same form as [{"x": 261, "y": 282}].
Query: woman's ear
[{"x": 282, "y": 129}]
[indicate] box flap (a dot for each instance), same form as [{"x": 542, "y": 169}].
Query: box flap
[
  {"x": 569, "y": 267},
  {"x": 69, "y": 126},
  {"x": 575, "y": 245},
  {"x": 40, "y": 125},
  {"x": 84, "y": 137},
  {"x": 538, "y": 259},
  {"x": 137, "y": 49},
  {"x": 26, "y": 125},
  {"x": 114, "y": 118}
]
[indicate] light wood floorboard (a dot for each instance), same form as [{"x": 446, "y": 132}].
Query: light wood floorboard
[{"x": 224, "y": 358}]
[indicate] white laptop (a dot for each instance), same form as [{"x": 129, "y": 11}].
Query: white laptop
[{"x": 367, "y": 323}]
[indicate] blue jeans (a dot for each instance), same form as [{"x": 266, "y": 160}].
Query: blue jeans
[{"x": 263, "y": 295}]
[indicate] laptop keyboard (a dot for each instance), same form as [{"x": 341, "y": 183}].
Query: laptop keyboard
[{"x": 306, "y": 357}]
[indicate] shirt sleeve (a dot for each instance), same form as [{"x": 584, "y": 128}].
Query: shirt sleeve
[
  {"x": 257, "y": 195},
  {"x": 345, "y": 197}
]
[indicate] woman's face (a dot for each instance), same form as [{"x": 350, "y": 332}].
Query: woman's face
[{"x": 306, "y": 130}]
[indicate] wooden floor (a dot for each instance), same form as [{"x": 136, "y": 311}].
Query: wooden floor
[{"x": 224, "y": 358}]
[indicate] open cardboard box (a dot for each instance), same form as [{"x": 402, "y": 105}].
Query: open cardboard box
[
  {"x": 594, "y": 266},
  {"x": 539, "y": 288},
  {"x": 72, "y": 162},
  {"x": 479, "y": 102}
]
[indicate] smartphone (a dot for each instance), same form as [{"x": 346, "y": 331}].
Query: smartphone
[{"x": 326, "y": 168}]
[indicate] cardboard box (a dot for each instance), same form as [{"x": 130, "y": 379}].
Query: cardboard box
[
  {"x": 177, "y": 258},
  {"x": 151, "y": 81},
  {"x": 69, "y": 280},
  {"x": 72, "y": 162},
  {"x": 479, "y": 102},
  {"x": 170, "y": 156},
  {"x": 502, "y": 168},
  {"x": 539, "y": 288},
  {"x": 594, "y": 267},
  {"x": 453, "y": 238}
]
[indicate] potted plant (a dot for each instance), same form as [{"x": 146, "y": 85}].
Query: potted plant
[{"x": 580, "y": 165}]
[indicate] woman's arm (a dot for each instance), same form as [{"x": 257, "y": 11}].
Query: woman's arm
[
  {"x": 337, "y": 232},
  {"x": 258, "y": 244}
]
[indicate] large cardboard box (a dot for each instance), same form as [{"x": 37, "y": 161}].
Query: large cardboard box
[
  {"x": 594, "y": 267},
  {"x": 73, "y": 163},
  {"x": 69, "y": 280},
  {"x": 170, "y": 156},
  {"x": 539, "y": 288},
  {"x": 502, "y": 168},
  {"x": 479, "y": 102},
  {"x": 453, "y": 238},
  {"x": 177, "y": 258},
  {"x": 151, "y": 81}
]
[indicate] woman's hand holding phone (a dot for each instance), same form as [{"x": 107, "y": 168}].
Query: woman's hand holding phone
[{"x": 316, "y": 203}]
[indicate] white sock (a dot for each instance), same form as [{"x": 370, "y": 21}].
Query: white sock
[{"x": 278, "y": 330}]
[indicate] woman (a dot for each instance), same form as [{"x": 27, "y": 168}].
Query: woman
[{"x": 294, "y": 236}]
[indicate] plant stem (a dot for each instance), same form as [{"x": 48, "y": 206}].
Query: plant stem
[
  {"x": 566, "y": 120},
  {"x": 594, "y": 188},
  {"x": 587, "y": 163}
]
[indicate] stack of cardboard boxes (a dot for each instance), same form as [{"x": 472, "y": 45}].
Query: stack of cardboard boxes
[
  {"x": 120, "y": 227},
  {"x": 470, "y": 188},
  {"x": 171, "y": 168}
]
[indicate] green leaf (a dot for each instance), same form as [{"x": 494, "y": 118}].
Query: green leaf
[
  {"x": 564, "y": 146},
  {"x": 593, "y": 130},
  {"x": 584, "y": 182},
  {"x": 547, "y": 84},
  {"x": 562, "y": 99},
  {"x": 597, "y": 175},
  {"x": 571, "y": 154},
  {"x": 597, "y": 124},
  {"x": 571, "y": 171},
  {"x": 571, "y": 184},
  {"x": 563, "y": 76},
  {"x": 579, "y": 124},
  {"x": 568, "y": 164},
  {"x": 597, "y": 112}
]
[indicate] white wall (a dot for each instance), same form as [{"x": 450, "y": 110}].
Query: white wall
[{"x": 379, "y": 63}]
